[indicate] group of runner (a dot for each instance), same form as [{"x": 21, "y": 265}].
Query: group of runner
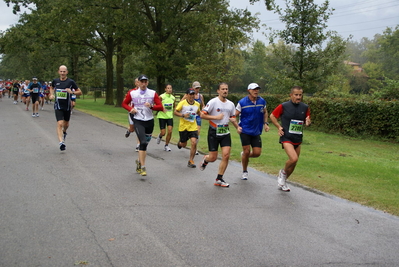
[
  {"x": 27, "y": 92},
  {"x": 141, "y": 101},
  {"x": 62, "y": 90}
]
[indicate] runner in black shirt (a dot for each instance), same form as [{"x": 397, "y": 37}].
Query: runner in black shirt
[{"x": 61, "y": 90}]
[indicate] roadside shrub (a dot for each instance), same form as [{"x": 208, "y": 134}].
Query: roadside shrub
[{"x": 356, "y": 118}]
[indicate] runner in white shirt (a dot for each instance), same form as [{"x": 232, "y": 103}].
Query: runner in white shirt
[
  {"x": 219, "y": 111},
  {"x": 140, "y": 104},
  {"x": 25, "y": 94}
]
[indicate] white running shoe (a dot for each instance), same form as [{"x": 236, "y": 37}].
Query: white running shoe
[
  {"x": 221, "y": 183},
  {"x": 137, "y": 148},
  {"x": 281, "y": 181},
  {"x": 244, "y": 176},
  {"x": 196, "y": 152},
  {"x": 281, "y": 178},
  {"x": 33, "y": 115},
  {"x": 284, "y": 188},
  {"x": 167, "y": 148},
  {"x": 37, "y": 114}
]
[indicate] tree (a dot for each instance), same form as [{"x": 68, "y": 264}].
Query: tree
[
  {"x": 388, "y": 51},
  {"x": 256, "y": 63},
  {"x": 97, "y": 25},
  {"x": 308, "y": 60},
  {"x": 219, "y": 58}
]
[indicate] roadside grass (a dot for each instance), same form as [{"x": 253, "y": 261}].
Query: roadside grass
[{"x": 362, "y": 171}]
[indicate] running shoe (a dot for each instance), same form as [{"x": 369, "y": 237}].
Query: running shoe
[
  {"x": 37, "y": 114},
  {"x": 203, "y": 164},
  {"x": 196, "y": 152},
  {"x": 33, "y": 115},
  {"x": 167, "y": 148},
  {"x": 244, "y": 176},
  {"x": 159, "y": 138},
  {"x": 281, "y": 178},
  {"x": 281, "y": 181},
  {"x": 284, "y": 188},
  {"x": 64, "y": 136},
  {"x": 137, "y": 148},
  {"x": 191, "y": 164},
  {"x": 127, "y": 134},
  {"x": 143, "y": 172},
  {"x": 221, "y": 182},
  {"x": 178, "y": 145},
  {"x": 62, "y": 146},
  {"x": 138, "y": 166}
]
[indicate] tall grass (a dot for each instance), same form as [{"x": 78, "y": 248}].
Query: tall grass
[{"x": 363, "y": 171}]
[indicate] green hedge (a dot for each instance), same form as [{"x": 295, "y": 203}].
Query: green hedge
[
  {"x": 356, "y": 118},
  {"x": 351, "y": 117}
]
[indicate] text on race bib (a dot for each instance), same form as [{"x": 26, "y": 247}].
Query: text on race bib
[
  {"x": 61, "y": 94},
  {"x": 191, "y": 116},
  {"x": 296, "y": 127},
  {"x": 168, "y": 106},
  {"x": 222, "y": 129}
]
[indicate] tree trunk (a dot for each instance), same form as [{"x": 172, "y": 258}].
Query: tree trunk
[
  {"x": 109, "y": 97},
  {"x": 120, "y": 57},
  {"x": 160, "y": 83}
]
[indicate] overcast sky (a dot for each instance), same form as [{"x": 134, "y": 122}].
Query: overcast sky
[{"x": 360, "y": 18}]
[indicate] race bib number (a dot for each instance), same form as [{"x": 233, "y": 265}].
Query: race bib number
[
  {"x": 61, "y": 94},
  {"x": 15, "y": 89},
  {"x": 191, "y": 116},
  {"x": 35, "y": 90},
  {"x": 222, "y": 129},
  {"x": 73, "y": 96},
  {"x": 168, "y": 107},
  {"x": 296, "y": 127}
]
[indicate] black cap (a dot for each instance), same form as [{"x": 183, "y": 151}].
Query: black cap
[
  {"x": 142, "y": 77},
  {"x": 190, "y": 91}
]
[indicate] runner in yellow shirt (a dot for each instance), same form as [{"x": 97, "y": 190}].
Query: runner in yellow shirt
[{"x": 188, "y": 109}]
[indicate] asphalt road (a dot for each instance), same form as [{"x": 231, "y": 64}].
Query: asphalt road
[{"x": 87, "y": 205}]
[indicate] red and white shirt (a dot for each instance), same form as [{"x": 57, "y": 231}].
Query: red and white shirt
[{"x": 137, "y": 98}]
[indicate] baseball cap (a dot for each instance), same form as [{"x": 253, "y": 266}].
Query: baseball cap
[
  {"x": 142, "y": 77},
  {"x": 196, "y": 84},
  {"x": 252, "y": 86},
  {"x": 34, "y": 78},
  {"x": 190, "y": 91}
]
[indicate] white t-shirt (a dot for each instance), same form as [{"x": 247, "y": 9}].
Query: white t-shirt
[{"x": 214, "y": 107}]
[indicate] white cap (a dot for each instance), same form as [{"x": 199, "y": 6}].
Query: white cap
[{"x": 252, "y": 86}]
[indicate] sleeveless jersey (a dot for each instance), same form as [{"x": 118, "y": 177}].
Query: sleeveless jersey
[
  {"x": 168, "y": 101},
  {"x": 293, "y": 118}
]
